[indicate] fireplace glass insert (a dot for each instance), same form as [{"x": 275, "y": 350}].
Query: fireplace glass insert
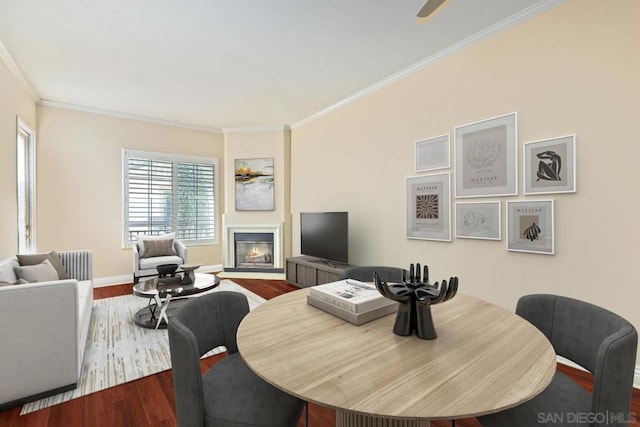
[{"x": 253, "y": 250}]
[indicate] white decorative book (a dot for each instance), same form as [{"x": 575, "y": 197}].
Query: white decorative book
[
  {"x": 351, "y": 295},
  {"x": 355, "y": 318}
]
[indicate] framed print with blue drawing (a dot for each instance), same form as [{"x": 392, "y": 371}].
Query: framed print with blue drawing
[
  {"x": 428, "y": 207},
  {"x": 486, "y": 157},
  {"x": 478, "y": 220},
  {"x": 550, "y": 165},
  {"x": 530, "y": 226},
  {"x": 433, "y": 153}
]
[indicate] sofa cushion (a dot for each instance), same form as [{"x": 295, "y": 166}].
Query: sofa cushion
[
  {"x": 7, "y": 272},
  {"x": 85, "y": 306},
  {"x": 53, "y": 257},
  {"x": 43, "y": 272},
  {"x": 142, "y": 238},
  {"x": 16, "y": 282},
  {"x": 152, "y": 263}
]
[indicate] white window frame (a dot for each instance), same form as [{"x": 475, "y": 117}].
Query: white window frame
[
  {"x": 175, "y": 158},
  {"x": 23, "y": 127}
]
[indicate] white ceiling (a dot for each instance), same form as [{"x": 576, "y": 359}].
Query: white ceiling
[{"x": 233, "y": 63}]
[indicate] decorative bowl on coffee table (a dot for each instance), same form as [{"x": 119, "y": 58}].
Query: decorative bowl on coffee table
[
  {"x": 167, "y": 269},
  {"x": 189, "y": 273}
]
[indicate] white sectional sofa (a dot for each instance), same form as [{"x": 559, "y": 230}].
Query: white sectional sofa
[{"x": 43, "y": 330}]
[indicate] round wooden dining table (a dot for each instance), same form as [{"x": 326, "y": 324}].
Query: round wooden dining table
[{"x": 484, "y": 360}]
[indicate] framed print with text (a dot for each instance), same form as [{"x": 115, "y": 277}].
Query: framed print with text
[
  {"x": 530, "y": 226},
  {"x": 486, "y": 157},
  {"x": 550, "y": 165},
  {"x": 428, "y": 210},
  {"x": 433, "y": 153},
  {"x": 478, "y": 220}
]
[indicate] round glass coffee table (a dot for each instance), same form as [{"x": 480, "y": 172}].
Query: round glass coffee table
[{"x": 166, "y": 298}]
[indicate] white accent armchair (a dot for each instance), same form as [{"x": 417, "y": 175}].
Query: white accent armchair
[{"x": 151, "y": 251}]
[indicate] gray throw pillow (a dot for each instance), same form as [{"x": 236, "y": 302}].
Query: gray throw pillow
[
  {"x": 43, "y": 272},
  {"x": 153, "y": 248},
  {"x": 142, "y": 238},
  {"x": 53, "y": 258}
]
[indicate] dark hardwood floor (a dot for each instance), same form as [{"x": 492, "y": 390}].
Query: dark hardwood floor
[{"x": 150, "y": 401}]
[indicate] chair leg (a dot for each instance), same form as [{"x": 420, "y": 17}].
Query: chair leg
[
  {"x": 306, "y": 414},
  {"x": 453, "y": 423}
]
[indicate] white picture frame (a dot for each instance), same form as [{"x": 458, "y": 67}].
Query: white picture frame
[
  {"x": 479, "y": 220},
  {"x": 486, "y": 157},
  {"x": 428, "y": 207},
  {"x": 550, "y": 165},
  {"x": 433, "y": 153},
  {"x": 530, "y": 226}
]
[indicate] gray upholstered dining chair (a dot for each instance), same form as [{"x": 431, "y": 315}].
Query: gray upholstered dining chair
[
  {"x": 229, "y": 394},
  {"x": 365, "y": 274},
  {"x": 598, "y": 340}
]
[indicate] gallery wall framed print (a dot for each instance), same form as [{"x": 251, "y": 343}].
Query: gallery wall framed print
[
  {"x": 486, "y": 157},
  {"x": 550, "y": 165},
  {"x": 428, "y": 207},
  {"x": 433, "y": 153},
  {"x": 254, "y": 184},
  {"x": 530, "y": 226},
  {"x": 478, "y": 220}
]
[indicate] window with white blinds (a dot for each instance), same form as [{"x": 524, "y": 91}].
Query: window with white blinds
[{"x": 166, "y": 193}]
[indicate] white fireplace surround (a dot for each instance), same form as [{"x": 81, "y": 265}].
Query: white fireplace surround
[{"x": 229, "y": 252}]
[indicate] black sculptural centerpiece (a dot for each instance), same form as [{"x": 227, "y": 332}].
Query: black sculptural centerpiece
[
  {"x": 166, "y": 270},
  {"x": 415, "y": 297}
]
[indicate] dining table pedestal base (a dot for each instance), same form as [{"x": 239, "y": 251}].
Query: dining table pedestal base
[{"x": 351, "y": 419}]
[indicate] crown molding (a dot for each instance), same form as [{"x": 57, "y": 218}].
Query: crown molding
[
  {"x": 17, "y": 74},
  {"x": 486, "y": 33},
  {"x": 128, "y": 116},
  {"x": 282, "y": 128}
]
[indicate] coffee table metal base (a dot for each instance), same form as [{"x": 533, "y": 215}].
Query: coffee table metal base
[
  {"x": 351, "y": 419},
  {"x": 147, "y": 317},
  {"x": 165, "y": 301}
]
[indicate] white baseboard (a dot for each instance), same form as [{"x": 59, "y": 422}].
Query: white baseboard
[
  {"x": 113, "y": 280},
  {"x": 128, "y": 278},
  {"x": 246, "y": 275},
  {"x": 636, "y": 376}
]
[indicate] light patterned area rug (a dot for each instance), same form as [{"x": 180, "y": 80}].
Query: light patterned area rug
[{"x": 118, "y": 351}]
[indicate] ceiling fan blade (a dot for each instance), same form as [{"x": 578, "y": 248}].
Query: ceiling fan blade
[{"x": 429, "y": 7}]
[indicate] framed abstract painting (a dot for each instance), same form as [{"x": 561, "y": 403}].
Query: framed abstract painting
[{"x": 254, "y": 184}]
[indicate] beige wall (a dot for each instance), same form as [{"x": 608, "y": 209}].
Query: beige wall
[
  {"x": 79, "y": 194},
  {"x": 574, "y": 69},
  {"x": 250, "y": 144},
  {"x": 14, "y": 102}
]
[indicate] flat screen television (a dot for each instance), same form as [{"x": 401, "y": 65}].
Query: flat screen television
[{"x": 325, "y": 235}]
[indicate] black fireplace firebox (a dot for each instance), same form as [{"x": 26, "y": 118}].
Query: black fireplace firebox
[{"x": 253, "y": 252}]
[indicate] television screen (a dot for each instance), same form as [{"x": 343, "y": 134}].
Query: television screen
[{"x": 325, "y": 235}]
